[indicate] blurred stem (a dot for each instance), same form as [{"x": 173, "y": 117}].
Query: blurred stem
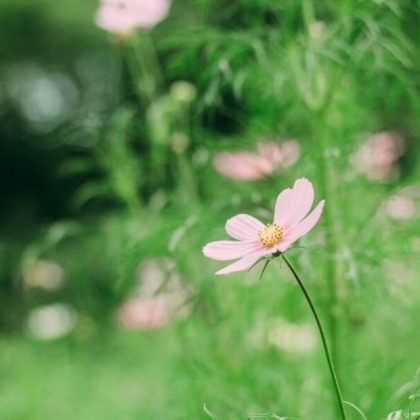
[
  {"x": 318, "y": 104},
  {"x": 134, "y": 205},
  {"x": 326, "y": 175},
  {"x": 144, "y": 67},
  {"x": 153, "y": 60},
  {"x": 323, "y": 338},
  {"x": 125, "y": 188},
  {"x": 187, "y": 186},
  {"x": 308, "y": 16}
]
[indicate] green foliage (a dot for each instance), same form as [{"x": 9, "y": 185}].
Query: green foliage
[{"x": 133, "y": 161}]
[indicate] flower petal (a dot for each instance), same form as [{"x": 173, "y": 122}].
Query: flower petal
[
  {"x": 243, "y": 166},
  {"x": 282, "y": 208},
  {"x": 285, "y": 244},
  {"x": 302, "y": 228},
  {"x": 244, "y": 227},
  {"x": 296, "y": 204},
  {"x": 230, "y": 250},
  {"x": 243, "y": 264},
  {"x": 303, "y": 198}
]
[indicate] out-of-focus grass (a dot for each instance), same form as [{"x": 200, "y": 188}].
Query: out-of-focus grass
[
  {"x": 226, "y": 363},
  {"x": 146, "y": 179},
  {"x": 240, "y": 350},
  {"x": 88, "y": 380}
]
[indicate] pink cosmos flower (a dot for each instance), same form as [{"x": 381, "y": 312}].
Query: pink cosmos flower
[
  {"x": 144, "y": 314},
  {"x": 283, "y": 155},
  {"x": 125, "y": 16},
  {"x": 378, "y": 157},
  {"x": 400, "y": 207},
  {"x": 249, "y": 166},
  {"x": 254, "y": 240},
  {"x": 158, "y": 299},
  {"x": 242, "y": 166}
]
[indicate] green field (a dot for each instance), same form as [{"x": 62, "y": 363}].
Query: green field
[{"x": 126, "y": 145}]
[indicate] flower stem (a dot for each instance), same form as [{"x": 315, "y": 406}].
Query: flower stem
[
  {"x": 144, "y": 66},
  {"x": 323, "y": 131},
  {"x": 323, "y": 338}
]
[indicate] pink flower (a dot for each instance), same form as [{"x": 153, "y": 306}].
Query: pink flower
[
  {"x": 159, "y": 298},
  {"x": 125, "y": 16},
  {"x": 379, "y": 155},
  {"x": 281, "y": 155},
  {"x": 149, "y": 314},
  {"x": 249, "y": 166},
  {"x": 243, "y": 166},
  {"x": 254, "y": 240},
  {"x": 400, "y": 207}
]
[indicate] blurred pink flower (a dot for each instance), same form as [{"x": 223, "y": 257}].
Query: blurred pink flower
[
  {"x": 158, "y": 299},
  {"x": 243, "y": 166},
  {"x": 139, "y": 314},
  {"x": 404, "y": 204},
  {"x": 249, "y": 166},
  {"x": 400, "y": 207},
  {"x": 284, "y": 154},
  {"x": 378, "y": 156},
  {"x": 125, "y": 16},
  {"x": 254, "y": 240}
]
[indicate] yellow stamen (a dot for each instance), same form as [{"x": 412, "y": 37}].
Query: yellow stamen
[{"x": 270, "y": 235}]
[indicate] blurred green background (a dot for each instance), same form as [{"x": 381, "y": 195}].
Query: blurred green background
[{"x": 121, "y": 156}]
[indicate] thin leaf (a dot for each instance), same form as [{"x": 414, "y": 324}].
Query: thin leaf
[
  {"x": 212, "y": 415},
  {"x": 356, "y": 408}
]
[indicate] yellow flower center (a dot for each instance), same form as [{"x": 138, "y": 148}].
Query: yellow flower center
[{"x": 270, "y": 235}]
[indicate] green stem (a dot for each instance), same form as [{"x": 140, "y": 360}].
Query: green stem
[
  {"x": 154, "y": 63},
  {"x": 144, "y": 66},
  {"x": 308, "y": 15},
  {"x": 326, "y": 174},
  {"x": 318, "y": 104},
  {"x": 323, "y": 338},
  {"x": 187, "y": 185}
]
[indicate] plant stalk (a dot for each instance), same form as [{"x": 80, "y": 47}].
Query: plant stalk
[
  {"x": 323, "y": 338},
  {"x": 332, "y": 271}
]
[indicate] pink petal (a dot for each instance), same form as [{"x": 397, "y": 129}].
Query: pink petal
[
  {"x": 230, "y": 250},
  {"x": 243, "y": 264},
  {"x": 285, "y": 244},
  {"x": 282, "y": 208},
  {"x": 124, "y": 16},
  {"x": 149, "y": 13},
  {"x": 271, "y": 151},
  {"x": 303, "y": 198},
  {"x": 243, "y": 166},
  {"x": 243, "y": 227},
  {"x": 290, "y": 153},
  {"x": 114, "y": 20},
  {"x": 302, "y": 228},
  {"x": 293, "y": 204}
]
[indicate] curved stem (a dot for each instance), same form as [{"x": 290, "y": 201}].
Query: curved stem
[{"x": 323, "y": 338}]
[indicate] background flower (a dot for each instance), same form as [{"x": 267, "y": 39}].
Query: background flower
[
  {"x": 242, "y": 166},
  {"x": 104, "y": 167},
  {"x": 281, "y": 155},
  {"x": 125, "y": 16},
  {"x": 158, "y": 298},
  {"x": 249, "y": 166},
  {"x": 377, "y": 158},
  {"x": 144, "y": 314}
]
